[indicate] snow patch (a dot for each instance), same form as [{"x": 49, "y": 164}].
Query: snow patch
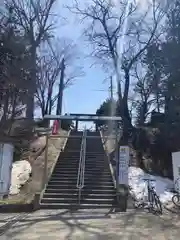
[
  {"x": 138, "y": 186},
  {"x": 19, "y": 176}
]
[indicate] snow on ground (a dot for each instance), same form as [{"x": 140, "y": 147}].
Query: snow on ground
[
  {"x": 19, "y": 176},
  {"x": 139, "y": 186}
]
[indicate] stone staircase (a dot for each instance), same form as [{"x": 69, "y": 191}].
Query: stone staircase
[{"x": 98, "y": 190}]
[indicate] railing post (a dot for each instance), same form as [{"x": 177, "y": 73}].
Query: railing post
[
  {"x": 45, "y": 162},
  {"x": 117, "y": 156}
]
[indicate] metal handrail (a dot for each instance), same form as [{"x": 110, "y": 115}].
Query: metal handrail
[{"x": 81, "y": 170}]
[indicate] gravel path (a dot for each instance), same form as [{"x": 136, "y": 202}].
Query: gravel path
[{"x": 91, "y": 225}]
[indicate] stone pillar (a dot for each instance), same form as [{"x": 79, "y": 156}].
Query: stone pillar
[
  {"x": 121, "y": 189},
  {"x": 122, "y": 198},
  {"x": 36, "y": 205}
]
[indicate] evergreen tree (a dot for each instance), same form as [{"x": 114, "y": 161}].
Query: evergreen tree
[
  {"x": 14, "y": 69},
  {"x": 105, "y": 109}
]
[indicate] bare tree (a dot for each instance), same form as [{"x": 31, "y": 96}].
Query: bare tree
[
  {"x": 67, "y": 49},
  {"x": 106, "y": 27},
  {"x": 144, "y": 96},
  {"x": 51, "y": 71},
  {"x": 48, "y": 71},
  {"x": 32, "y": 19}
]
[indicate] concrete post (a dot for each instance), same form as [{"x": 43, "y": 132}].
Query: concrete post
[{"x": 76, "y": 125}]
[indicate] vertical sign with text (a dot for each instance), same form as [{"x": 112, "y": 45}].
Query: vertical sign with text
[{"x": 123, "y": 165}]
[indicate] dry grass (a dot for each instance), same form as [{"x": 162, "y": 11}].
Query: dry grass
[
  {"x": 34, "y": 184},
  {"x": 109, "y": 140}
]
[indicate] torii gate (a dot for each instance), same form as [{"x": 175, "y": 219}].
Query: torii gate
[{"x": 82, "y": 117}]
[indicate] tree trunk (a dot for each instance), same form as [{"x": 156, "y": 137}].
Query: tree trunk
[
  {"x": 157, "y": 102},
  {"x": 14, "y": 100},
  {"x": 126, "y": 118},
  {"x": 61, "y": 87},
  {"x": 126, "y": 121},
  {"x": 50, "y": 107},
  {"x": 5, "y": 109},
  {"x": 32, "y": 87},
  {"x": 46, "y": 108}
]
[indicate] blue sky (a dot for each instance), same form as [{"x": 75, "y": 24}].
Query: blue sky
[{"x": 80, "y": 97}]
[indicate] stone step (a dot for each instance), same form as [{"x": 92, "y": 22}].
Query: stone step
[
  {"x": 59, "y": 177},
  {"x": 86, "y": 182},
  {"x": 83, "y": 195},
  {"x": 87, "y": 166},
  {"x": 76, "y": 164},
  {"x": 98, "y": 190},
  {"x": 74, "y": 172},
  {"x": 87, "y": 163},
  {"x": 75, "y": 200},
  {"x": 88, "y": 160},
  {"x": 87, "y": 174},
  {"x": 72, "y": 186},
  {"x": 84, "y": 191},
  {"x": 76, "y": 206},
  {"x": 87, "y": 170}
]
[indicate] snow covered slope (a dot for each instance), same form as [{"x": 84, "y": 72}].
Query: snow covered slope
[{"x": 139, "y": 187}]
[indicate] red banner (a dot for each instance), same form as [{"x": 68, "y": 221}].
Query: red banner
[{"x": 55, "y": 127}]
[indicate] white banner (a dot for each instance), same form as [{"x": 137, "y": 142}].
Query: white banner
[
  {"x": 176, "y": 170},
  {"x": 123, "y": 164}
]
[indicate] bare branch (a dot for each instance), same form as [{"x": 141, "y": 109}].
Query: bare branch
[
  {"x": 105, "y": 23},
  {"x": 32, "y": 16},
  {"x": 50, "y": 64}
]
